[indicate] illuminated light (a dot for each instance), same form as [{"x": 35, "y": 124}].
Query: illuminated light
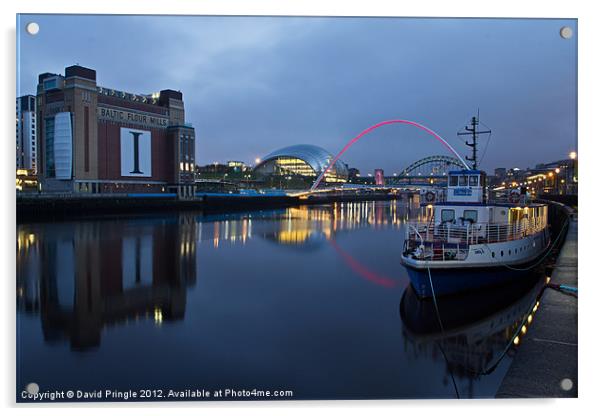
[
  {"x": 557, "y": 170},
  {"x": 548, "y": 280},
  {"x": 21, "y": 172},
  {"x": 31, "y": 238},
  {"x": 523, "y": 330},
  {"x": 158, "y": 316},
  {"x": 516, "y": 340},
  {"x": 529, "y": 319},
  {"x": 181, "y": 165},
  {"x": 573, "y": 155},
  {"x": 257, "y": 160},
  {"x": 550, "y": 174}
]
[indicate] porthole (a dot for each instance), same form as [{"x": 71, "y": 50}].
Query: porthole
[
  {"x": 492, "y": 254},
  {"x": 515, "y": 251},
  {"x": 509, "y": 252},
  {"x": 502, "y": 253}
]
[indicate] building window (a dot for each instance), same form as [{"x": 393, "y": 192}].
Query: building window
[
  {"x": 470, "y": 215},
  {"x": 87, "y": 139},
  {"x": 49, "y": 144},
  {"x": 447, "y": 215}
]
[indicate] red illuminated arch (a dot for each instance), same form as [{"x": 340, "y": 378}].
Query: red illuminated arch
[{"x": 374, "y": 127}]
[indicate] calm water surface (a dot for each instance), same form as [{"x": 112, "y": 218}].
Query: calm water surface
[{"x": 309, "y": 299}]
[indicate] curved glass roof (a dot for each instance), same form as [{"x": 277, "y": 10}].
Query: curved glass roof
[{"x": 315, "y": 156}]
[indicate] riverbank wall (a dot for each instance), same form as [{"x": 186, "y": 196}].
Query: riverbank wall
[{"x": 59, "y": 207}]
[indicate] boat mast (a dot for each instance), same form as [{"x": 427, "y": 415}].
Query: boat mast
[{"x": 474, "y": 132}]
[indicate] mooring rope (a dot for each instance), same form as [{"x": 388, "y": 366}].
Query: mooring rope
[{"x": 451, "y": 371}]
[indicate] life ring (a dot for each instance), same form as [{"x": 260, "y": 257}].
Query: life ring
[
  {"x": 514, "y": 197},
  {"x": 429, "y": 196}
]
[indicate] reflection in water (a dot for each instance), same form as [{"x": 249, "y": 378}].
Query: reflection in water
[
  {"x": 480, "y": 327},
  {"x": 267, "y": 298},
  {"x": 308, "y": 226},
  {"x": 85, "y": 275},
  {"x": 362, "y": 270}
]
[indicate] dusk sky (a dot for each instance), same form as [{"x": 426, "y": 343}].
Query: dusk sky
[{"x": 255, "y": 84}]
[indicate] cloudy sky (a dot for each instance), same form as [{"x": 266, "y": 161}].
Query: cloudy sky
[{"x": 254, "y": 84}]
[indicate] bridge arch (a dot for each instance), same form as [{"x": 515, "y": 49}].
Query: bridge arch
[
  {"x": 376, "y": 126},
  {"x": 436, "y": 161}
]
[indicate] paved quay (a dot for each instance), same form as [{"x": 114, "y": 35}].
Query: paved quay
[{"x": 546, "y": 361}]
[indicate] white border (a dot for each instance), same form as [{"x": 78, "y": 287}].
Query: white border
[{"x": 589, "y": 93}]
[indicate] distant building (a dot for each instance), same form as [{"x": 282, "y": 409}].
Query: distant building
[
  {"x": 218, "y": 168},
  {"x": 26, "y": 135},
  {"x": 95, "y": 139},
  {"x": 236, "y": 165},
  {"x": 353, "y": 174},
  {"x": 300, "y": 164},
  {"x": 499, "y": 173},
  {"x": 553, "y": 178},
  {"x": 379, "y": 177}
]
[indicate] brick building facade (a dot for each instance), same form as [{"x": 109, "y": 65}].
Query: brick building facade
[{"x": 99, "y": 140}]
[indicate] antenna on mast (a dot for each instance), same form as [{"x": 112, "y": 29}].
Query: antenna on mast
[{"x": 473, "y": 131}]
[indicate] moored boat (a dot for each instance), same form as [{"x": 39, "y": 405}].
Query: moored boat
[{"x": 467, "y": 240}]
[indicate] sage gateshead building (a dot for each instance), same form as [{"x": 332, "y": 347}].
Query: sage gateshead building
[
  {"x": 95, "y": 139},
  {"x": 303, "y": 163}
]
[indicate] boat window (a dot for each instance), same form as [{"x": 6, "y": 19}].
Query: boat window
[
  {"x": 453, "y": 180},
  {"x": 470, "y": 214},
  {"x": 447, "y": 215},
  {"x": 473, "y": 180},
  {"x": 463, "y": 180}
]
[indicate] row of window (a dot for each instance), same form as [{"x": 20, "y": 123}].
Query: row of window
[
  {"x": 516, "y": 251},
  {"x": 449, "y": 215},
  {"x": 464, "y": 180}
]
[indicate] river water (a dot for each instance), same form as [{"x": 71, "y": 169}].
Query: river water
[{"x": 310, "y": 301}]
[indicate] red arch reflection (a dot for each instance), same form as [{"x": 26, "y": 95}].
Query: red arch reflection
[{"x": 362, "y": 270}]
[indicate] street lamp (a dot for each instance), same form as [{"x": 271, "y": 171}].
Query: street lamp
[{"x": 573, "y": 155}]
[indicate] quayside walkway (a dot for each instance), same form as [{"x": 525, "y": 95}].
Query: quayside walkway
[{"x": 546, "y": 361}]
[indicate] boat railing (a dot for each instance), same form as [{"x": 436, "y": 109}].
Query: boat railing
[{"x": 473, "y": 233}]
